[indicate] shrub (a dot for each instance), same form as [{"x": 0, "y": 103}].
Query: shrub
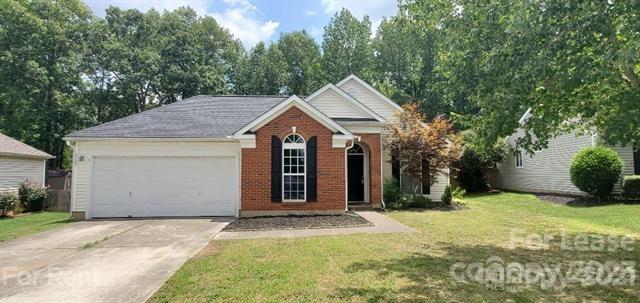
[
  {"x": 458, "y": 193},
  {"x": 631, "y": 186},
  {"x": 447, "y": 196},
  {"x": 471, "y": 175},
  {"x": 403, "y": 202},
  {"x": 421, "y": 201},
  {"x": 595, "y": 170},
  {"x": 391, "y": 191},
  {"x": 8, "y": 202},
  {"x": 32, "y": 196}
]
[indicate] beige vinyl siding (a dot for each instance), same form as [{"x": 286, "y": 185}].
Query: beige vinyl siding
[
  {"x": 547, "y": 170},
  {"x": 15, "y": 170},
  {"x": 369, "y": 99},
  {"x": 335, "y": 106},
  {"x": 86, "y": 151},
  {"x": 409, "y": 184}
]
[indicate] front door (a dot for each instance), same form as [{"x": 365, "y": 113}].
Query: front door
[{"x": 355, "y": 179}]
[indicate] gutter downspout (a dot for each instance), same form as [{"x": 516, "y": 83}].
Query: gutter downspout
[
  {"x": 346, "y": 181},
  {"x": 384, "y": 206}
]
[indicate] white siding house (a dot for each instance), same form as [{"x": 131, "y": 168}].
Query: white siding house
[
  {"x": 547, "y": 170},
  {"x": 20, "y": 162}
]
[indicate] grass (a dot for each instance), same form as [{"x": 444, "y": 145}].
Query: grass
[
  {"x": 12, "y": 228},
  {"x": 409, "y": 267}
]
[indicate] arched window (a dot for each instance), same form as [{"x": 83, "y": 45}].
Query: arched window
[{"x": 294, "y": 168}]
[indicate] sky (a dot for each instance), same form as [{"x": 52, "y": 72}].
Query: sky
[{"x": 253, "y": 21}]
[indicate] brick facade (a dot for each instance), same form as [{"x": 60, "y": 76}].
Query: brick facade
[{"x": 256, "y": 167}]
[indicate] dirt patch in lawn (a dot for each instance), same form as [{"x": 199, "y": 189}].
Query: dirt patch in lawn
[
  {"x": 349, "y": 219},
  {"x": 207, "y": 250}
]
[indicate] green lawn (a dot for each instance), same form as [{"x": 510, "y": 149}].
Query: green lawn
[
  {"x": 11, "y": 228},
  {"x": 409, "y": 267}
]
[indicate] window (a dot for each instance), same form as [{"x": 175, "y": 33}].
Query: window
[
  {"x": 518, "y": 157},
  {"x": 293, "y": 168}
]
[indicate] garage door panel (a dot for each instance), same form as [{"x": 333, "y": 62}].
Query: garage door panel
[{"x": 164, "y": 186}]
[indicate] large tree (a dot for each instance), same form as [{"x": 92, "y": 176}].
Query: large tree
[
  {"x": 346, "y": 45},
  {"x": 42, "y": 47},
  {"x": 575, "y": 64},
  {"x": 263, "y": 72},
  {"x": 302, "y": 56},
  {"x": 406, "y": 56}
]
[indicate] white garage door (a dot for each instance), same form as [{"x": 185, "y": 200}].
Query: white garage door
[{"x": 164, "y": 186}]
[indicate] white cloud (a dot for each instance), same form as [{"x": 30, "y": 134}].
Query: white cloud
[
  {"x": 310, "y": 12},
  {"x": 241, "y": 18},
  {"x": 375, "y": 9}
]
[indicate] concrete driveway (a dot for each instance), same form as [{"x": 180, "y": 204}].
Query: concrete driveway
[{"x": 100, "y": 261}]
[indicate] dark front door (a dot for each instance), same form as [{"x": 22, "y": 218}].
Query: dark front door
[{"x": 355, "y": 173}]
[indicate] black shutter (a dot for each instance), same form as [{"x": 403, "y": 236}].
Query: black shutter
[
  {"x": 276, "y": 169},
  {"x": 426, "y": 184},
  {"x": 312, "y": 169},
  {"x": 395, "y": 168}
]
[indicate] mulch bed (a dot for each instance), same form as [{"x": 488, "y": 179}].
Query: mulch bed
[
  {"x": 349, "y": 219},
  {"x": 581, "y": 200}
]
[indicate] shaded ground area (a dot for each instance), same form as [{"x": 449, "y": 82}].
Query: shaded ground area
[{"x": 349, "y": 219}]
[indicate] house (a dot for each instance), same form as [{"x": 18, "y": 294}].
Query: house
[
  {"x": 20, "y": 162},
  {"x": 239, "y": 156},
  {"x": 547, "y": 170}
]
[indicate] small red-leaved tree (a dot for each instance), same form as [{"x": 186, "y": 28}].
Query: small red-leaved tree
[{"x": 415, "y": 143}]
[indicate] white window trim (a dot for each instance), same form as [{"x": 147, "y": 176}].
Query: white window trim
[
  {"x": 302, "y": 146},
  {"x": 518, "y": 154}
]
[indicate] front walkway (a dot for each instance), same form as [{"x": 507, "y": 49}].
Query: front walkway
[
  {"x": 100, "y": 261},
  {"x": 382, "y": 224}
]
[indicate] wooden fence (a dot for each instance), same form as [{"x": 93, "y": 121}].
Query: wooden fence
[{"x": 58, "y": 200}]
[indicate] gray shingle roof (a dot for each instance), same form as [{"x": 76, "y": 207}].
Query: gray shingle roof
[
  {"x": 195, "y": 117},
  {"x": 12, "y": 147}
]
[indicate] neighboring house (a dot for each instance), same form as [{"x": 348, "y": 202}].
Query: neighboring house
[
  {"x": 239, "y": 156},
  {"x": 20, "y": 162},
  {"x": 547, "y": 170}
]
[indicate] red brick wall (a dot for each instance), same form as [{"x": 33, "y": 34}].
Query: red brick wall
[
  {"x": 372, "y": 142},
  {"x": 256, "y": 166}
]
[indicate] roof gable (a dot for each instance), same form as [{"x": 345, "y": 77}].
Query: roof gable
[
  {"x": 369, "y": 96},
  {"x": 12, "y": 147},
  {"x": 336, "y": 103},
  {"x": 293, "y": 101}
]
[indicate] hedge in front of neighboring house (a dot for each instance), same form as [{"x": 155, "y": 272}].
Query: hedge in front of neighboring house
[
  {"x": 631, "y": 186},
  {"x": 32, "y": 196},
  {"x": 8, "y": 202},
  {"x": 595, "y": 170}
]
